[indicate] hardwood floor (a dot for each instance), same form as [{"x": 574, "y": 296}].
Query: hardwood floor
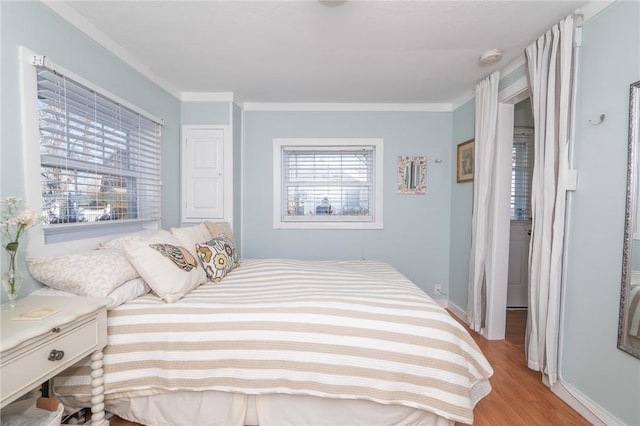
[{"x": 518, "y": 397}]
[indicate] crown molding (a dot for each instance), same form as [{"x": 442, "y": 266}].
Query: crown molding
[
  {"x": 206, "y": 97},
  {"x": 82, "y": 24},
  {"x": 593, "y": 8},
  {"x": 317, "y": 107},
  {"x": 513, "y": 66}
]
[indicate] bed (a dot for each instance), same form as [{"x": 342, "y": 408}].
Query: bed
[{"x": 288, "y": 342}]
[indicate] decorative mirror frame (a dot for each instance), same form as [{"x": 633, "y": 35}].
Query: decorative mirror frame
[{"x": 631, "y": 222}]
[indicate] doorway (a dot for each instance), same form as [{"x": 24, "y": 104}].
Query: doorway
[{"x": 520, "y": 209}]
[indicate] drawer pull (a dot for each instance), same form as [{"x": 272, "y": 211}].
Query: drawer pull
[
  {"x": 55, "y": 330},
  {"x": 56, "y": 355}
]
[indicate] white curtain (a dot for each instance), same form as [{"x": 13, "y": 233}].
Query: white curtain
[
  {"x": 483, "y": 202},
  {"x": 550, "y": 70}
]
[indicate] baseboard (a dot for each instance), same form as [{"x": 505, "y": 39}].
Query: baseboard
[
  {"x": 586, "y": 407},
  {"x": 457, "y": 311}
]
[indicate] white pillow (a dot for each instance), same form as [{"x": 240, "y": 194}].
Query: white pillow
[
  {"x": 96, "y": 273},
  {"x": 189, "y": 236},
  {"x": 126, "y": 292},
  {"x": 169, "y": 269},
  {"x": 150, "y": 235}
]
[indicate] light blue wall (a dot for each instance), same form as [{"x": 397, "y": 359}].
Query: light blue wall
[
  {"x": 461, "y": 210},
  {"x": 205, "y": 113},
  {"x": 522, "y": 115},
  {"x": 609, "y": 62},
  {"x": 35, "y": 26},
  {"x": 415, "y": 238}
]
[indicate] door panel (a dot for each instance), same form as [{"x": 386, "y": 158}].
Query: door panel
[{"x": 517, "y": 288}]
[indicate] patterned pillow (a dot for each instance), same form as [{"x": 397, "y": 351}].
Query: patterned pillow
[
  {"x": 95, "y": 274},
  {"x": 216, "y": 257},
  {"x": 219, "y": 229}
]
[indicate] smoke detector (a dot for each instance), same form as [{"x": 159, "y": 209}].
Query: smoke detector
[{"x": 491, "y": 56}]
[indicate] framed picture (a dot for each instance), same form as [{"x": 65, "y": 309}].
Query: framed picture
[{"x": 466, "y": 161}]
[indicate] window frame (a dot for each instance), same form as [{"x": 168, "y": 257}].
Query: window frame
[
  {"x": 328, "y": 221},
  {"x": 519, "y": 150},
  {"x": 64, "y": 232}
]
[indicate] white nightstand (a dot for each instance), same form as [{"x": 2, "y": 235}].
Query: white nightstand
[{"x": 33, "y": 351}]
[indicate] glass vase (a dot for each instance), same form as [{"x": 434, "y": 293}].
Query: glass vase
[{"x": 11, "y": 281}]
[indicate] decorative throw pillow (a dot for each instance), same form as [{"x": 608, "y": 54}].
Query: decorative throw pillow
[
  {"x": 126, "y": 292},
  {"x": 216, "y": 257},
  {"x": 168, "y": 268},
  {"x": 95, "y": 274},
  {"x": 148, "y": 235},
  {"x": 189, "y": 236},
  {"x": 217, "y": 229}
]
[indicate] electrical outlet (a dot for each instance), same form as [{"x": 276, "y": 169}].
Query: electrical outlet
[{"x": 437, "y": 288}]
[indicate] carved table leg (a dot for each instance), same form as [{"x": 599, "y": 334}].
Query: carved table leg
[{"x": 97, "y": 390}]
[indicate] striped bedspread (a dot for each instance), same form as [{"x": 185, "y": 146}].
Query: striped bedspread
[{"x": 345, "y": 330}]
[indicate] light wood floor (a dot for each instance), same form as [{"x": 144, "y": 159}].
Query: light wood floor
[{"x": 518, "y": 396}]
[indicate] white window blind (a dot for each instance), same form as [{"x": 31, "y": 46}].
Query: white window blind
[
  {"x": 99, "y": 160},
  {"x": 329, "y": 183},
  {"x": 521, "y": 173}
]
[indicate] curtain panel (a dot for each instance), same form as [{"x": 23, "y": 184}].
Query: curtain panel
[
  {"x": 483, "y": 203},
  {"x": 550, "y": 67}
]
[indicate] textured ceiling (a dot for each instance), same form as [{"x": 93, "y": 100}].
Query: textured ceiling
[{"x": 304, "y": 51}]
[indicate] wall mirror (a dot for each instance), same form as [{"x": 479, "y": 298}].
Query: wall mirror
[{"x": 629, "y": 323}]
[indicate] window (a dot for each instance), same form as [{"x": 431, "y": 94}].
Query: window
[
  {"x": 521, "y": 173},
  {"x": 99, "y": 160},
  {"x": 328, "y": 183}
]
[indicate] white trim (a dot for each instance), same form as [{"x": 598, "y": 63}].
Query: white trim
[
  {"x": 279, "y": 143},
  {"x": 513, "y": 66},
  {"x": 456, "y": 310},
  {"x": 206, "y": 97},
  {"x": 30, "y": 142},
  {"x": 593, "y": 8},
  {"x": 90, "y": 30},
  {"x": 584, "y": 405},
  {"x": 500, "y": 227},
  {"x": 515, "y": 92},
  {"x": 92, "y": 86},
  {"x": 470, "y": 94},
  {"x": 316, "y": 107},
  {"x": 227, "y": 164}
]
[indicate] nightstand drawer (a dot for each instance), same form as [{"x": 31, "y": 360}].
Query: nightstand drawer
[{"x": 34, "y": 365}]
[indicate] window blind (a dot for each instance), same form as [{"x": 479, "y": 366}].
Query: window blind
[
  {"x": 99, "y": 160},
  {"x": 521, "y": 173},
  {"x": 328, "y": 183}
]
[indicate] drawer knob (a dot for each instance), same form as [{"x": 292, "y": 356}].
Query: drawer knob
[{"x": 56, "y": 355}]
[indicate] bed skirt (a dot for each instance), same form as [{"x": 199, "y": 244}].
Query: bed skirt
[{"x": 213, "y": 408}]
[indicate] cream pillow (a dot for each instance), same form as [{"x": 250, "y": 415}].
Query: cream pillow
[
  {"x": 128, "y": 291},
  {"x": 217, "y": 229},
  {"x": 168, "y": 268},
  {"x": 96, "y": 273},
  {"x": 149, "y": 235},
  {"x": 189, "y": 236}
]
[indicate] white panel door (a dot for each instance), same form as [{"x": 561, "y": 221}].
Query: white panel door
[
  {"x": 518, "y": 287},
  {"x": 203, "y": 175}
]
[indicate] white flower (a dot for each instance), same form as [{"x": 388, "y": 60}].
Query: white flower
[
  {"x": 13, "y": 222},
  {"x": 26, "y": 217}
]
